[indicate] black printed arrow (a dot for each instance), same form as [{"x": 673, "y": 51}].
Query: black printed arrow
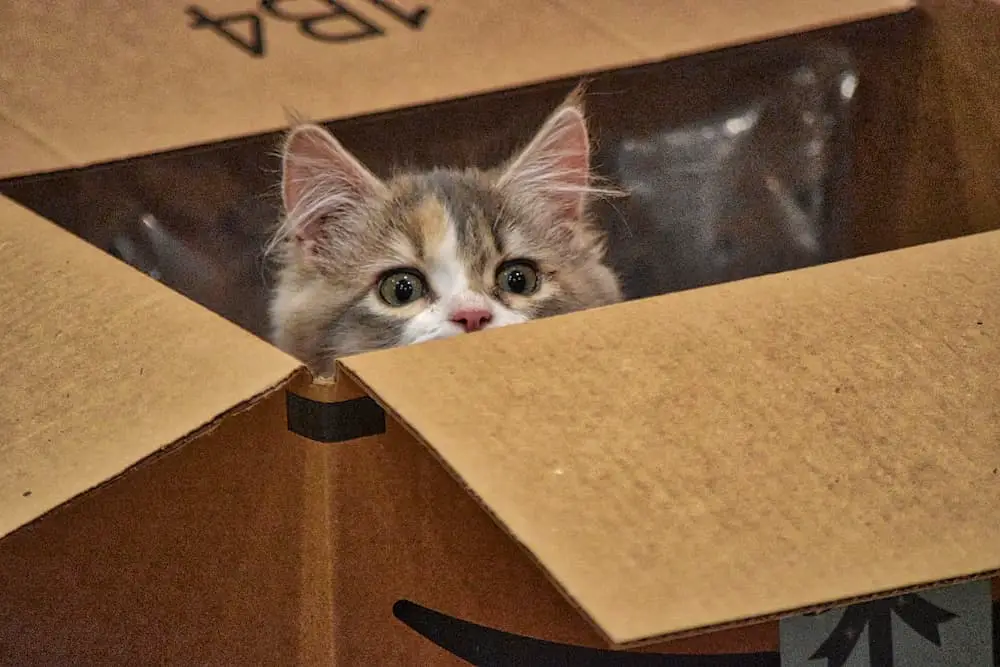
[
  {"x": 486, "y": 647},
  {"x": 921, "y": 615}
]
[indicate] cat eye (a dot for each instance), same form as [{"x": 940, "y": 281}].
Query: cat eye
[
  {"x": 517, "y": 277},
  {"x": 400, "y": 288}
]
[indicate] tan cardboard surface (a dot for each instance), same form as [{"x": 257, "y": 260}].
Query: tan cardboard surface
[
  {"x": 23, "y": 152},
  {"x": 101, "y": 367},
  {"x": 215, "y": 554},
  {"x": 734, "y": 452},
  {"x": 665, "y": 30},
  {"x": 86, "y": 82}
]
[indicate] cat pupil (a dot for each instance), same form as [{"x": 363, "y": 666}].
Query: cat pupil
[
  {"x": 519, "y": 278},
  {"x": 404, "y": 290},
  {"x": 516, "y": 281}
]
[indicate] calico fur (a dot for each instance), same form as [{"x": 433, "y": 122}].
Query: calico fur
[{"x": 344, "y": 230}]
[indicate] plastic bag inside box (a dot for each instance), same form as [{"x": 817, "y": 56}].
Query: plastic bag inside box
[
  {"x": 753, "y": 188},
  {"x": 735, "y": 164}
]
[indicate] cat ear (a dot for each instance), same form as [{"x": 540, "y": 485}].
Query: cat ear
[
  {"x": 554, "y": 168},
  {"x": 322, "y": 184}
]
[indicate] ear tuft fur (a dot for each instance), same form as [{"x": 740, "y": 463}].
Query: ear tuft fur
[{"x": 322, "y": 186}]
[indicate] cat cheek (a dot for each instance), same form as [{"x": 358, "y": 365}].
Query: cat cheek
[{"x": 514, "y": 308}]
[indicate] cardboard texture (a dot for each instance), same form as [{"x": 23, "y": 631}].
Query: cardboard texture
[
  {"x": 649, "y": 477},
  {"x": 114, "y": 385},
  {"x": 208, "y": 555},
  {"x": 91, "y": 372}
]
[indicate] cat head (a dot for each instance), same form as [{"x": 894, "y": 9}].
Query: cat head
[{"x": 365, "y": 263}]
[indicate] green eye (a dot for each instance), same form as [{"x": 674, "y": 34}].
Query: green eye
[
  {"x": 401, "y": 287},
  {"x": 517, "y": 277}
]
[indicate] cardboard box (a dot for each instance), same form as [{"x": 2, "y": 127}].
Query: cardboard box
[{"x": 656, "y": 481}]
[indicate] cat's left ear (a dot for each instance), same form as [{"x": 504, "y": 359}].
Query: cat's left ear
[{"x": 554, "y": 168}]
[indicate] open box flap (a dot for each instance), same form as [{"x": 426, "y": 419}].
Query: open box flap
[
  {"x": 734, "y": 452},
  {"x": 665, "y": 30},
  {"x": 89, "y": 83},
  {"x": 101, "y": 366}
]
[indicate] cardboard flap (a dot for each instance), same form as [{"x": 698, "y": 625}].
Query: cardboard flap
[
  {"x": 85, "y": 84},
  {"x": 735, "y": 452},
  {"x": 670, "y": 29},
  {"x": 101, "y": 366}
]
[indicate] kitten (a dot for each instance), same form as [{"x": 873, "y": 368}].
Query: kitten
[{"x": 365, "y": 264}]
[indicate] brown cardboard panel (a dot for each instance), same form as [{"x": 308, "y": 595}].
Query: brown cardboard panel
[
  {"x": 189, "y": 84},
  {"x": 100, "y": 367},
  {"x": 964, "y": 38},
  {"x": 404, "y": 531},
  {"x": 216, "y": 554},
  {"x": 928, "y": 157},
  {"x": 24, "y": 152},
  {"x": 64, "y": 68},
  {"x": 737, "y": 451},
  {"x": 665, "y": 30},
  {"x": 428, "y": 543}
]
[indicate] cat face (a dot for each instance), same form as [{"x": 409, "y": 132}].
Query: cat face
[{"x": 366, "y": 264}]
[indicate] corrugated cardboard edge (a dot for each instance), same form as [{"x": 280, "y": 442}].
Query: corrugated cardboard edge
[
  {"x": 360, "y": 386},
  {"x": 171, "y": 447}
]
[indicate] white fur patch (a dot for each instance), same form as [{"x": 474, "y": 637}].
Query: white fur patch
[{"x": 450, "y": 283}]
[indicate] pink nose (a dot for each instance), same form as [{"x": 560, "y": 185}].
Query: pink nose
[{"x": 471, "y": 319}]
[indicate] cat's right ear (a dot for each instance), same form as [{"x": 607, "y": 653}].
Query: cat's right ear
[{"x": 322, "y": 185}]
